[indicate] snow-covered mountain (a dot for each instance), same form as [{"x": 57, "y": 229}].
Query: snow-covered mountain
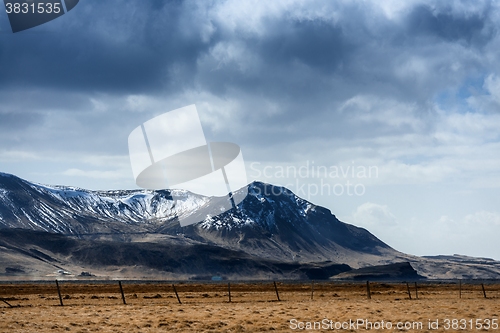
[
  {"x": 271, "y": 231},
  {"x": 76, "y": 211},
  {"x": 271, "y": 222}
]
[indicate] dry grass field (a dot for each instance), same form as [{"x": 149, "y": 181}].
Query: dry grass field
[{"x": 254, "y": 307}]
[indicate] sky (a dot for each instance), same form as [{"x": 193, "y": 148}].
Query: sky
[{"x": 387, "y": 113}]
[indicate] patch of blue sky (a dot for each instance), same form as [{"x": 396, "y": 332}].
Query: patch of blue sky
[{"x": 455, "y": 99}]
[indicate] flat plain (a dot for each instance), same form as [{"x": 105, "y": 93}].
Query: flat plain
[{"x": 254, "y": 307}]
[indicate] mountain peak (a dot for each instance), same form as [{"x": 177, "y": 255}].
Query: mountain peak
[{"x": 6, "y": 175}]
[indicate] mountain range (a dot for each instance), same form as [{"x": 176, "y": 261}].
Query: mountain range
[{"x": 46, "y": 230}]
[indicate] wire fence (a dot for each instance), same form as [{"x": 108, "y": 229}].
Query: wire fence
[{"x": 70, "y": 293}]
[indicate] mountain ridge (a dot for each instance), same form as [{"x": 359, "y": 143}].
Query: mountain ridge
[
  {"x": 270, "y": 227},
  {"x": 271, "y": 222}
]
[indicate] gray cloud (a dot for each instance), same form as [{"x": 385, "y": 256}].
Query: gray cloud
[
  {"x": 14, "y": 122},
  {"x": 291, "y": 76},
  {"x": 112, "y": 46},
  {"x": 317, "y": 44},
  {"x": 157, "y": 47},
  {"x": 470, "y": 28}
]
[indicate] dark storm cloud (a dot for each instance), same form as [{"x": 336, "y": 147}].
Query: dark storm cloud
[
  {"x": 470, "y": 28},
  {"x": 156, "y": 47},
  {"x": 310, "y": 67},
  {"x": 317, "y": 44},
  {"x": 113, "y": 46},
  {"x": 294, "y": 58},
  {"x": 360, "y": 53},
  {"x": 307, "y": 66}
]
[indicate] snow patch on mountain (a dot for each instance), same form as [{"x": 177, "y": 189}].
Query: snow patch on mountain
[
  {"x": 67, "y": 209},
  {"x": 259, "y": 209}
]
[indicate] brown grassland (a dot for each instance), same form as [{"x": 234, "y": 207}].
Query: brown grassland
[{"x": 254, "y": 307}]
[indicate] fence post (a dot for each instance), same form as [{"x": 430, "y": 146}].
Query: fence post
[
  {"x": 229, "y": 291},
  {"x": 121, "y": 290},
  {"x": 484, "y": 291},
  {"x": 416, "y": 290},
  {"x": 408, "y": 288},
  {"x": 176, "y": 294},
  {"x": 460, "y": 288},
  {"x": 312, "y": 290},
  {"x": 276, "y": 288},
  {"x": 368, "y": 293},
  {"x": 59, "y": 293},
  {"x": 1, "y": 299}
]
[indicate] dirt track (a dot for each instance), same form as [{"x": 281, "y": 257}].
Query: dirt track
[{"x": 253, "y": 307}]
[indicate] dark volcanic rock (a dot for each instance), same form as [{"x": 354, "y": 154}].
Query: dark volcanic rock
[
  {"x": 397, "y": 271},
  {"x": 199, "y": 259}
]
